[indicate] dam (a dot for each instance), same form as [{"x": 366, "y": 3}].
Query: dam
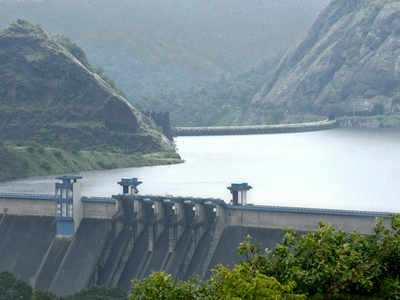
[
  {"x": 256, "y": 129},
  {"x": 65, "y": 242}
]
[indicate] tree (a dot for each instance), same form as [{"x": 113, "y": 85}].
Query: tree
[
  {"x": 98, "y": 293},
  {"x": 160, "y": 285},
  {"x": 12, "y": 288},
  {"x": 242, "y": 282},
  {"x": 332, "y": 262},
  {"x": 41, "y": 295}
]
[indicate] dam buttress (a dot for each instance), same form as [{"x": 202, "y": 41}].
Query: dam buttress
[{"x": 66, "y": 242}]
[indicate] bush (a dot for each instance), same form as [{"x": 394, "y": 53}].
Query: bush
[
  {"x": 41, "y": 295},
  {"x": 45, "y": 165},
  {"x": 242, "y": 282},
  {"x": 12, "y": 288},
  {"x": 98, "y": 293},
  {"x": 331, "y": 262},
  {"x": 58, "y": 154},
  {"x": 31, "y": 149}
]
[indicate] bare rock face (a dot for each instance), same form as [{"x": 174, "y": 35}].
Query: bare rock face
[
  {"x": 50, "y": 94},
  {"x": 348, "y": 63}
]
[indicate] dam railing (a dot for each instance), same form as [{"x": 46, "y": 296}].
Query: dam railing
[{"x": 27, "y": 196}]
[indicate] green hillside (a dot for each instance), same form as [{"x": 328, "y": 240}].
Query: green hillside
[{"x": 51, "y": 97}]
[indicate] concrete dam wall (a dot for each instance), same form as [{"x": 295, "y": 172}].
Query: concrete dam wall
[
  {"x": 130, "y": 236},
  {"x": 255, "y": 129}
]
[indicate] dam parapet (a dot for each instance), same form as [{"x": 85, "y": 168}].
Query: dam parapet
[
  {"x": 131, "y": 235},
  {"x": 67, "y": 205}
]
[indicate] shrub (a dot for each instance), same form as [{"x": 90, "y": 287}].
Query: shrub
[
  {"x": 45, "y": 165},
  {"x": 332, "y": 262},
  {"x": 12, "y": 288}
]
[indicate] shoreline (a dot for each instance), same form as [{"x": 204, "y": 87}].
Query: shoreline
[{"x": 24, "y": 163}]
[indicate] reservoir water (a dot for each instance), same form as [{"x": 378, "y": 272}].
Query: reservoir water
[{"x": 341, "y": 169}]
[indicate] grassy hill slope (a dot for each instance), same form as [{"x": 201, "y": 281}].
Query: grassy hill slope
[{"x": 51, "y": 97}]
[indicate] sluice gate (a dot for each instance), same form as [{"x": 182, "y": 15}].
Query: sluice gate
[{"x": 66, "y": 242}]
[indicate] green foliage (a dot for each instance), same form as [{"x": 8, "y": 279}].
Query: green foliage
[
  {"x": 242, "y": 282},
  {"x": 246, "y": 282},
  {"x": 12, "y": 288},
  {"x": 34, "y": 160},
  {"x": 331, "y": 262},
  {"x": 41, "y": 295},
  {"x": 60, "y": 104},
  {"x": 98, "y": 293},
  {"x": 160, "y": 285},
  {"x": 223, "y": 102}
]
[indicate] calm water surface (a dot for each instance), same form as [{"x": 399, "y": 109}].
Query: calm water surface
[{"x": 343, "y": 169}]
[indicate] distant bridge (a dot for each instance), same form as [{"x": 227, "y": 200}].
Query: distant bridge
[{"x": 256, "y": 129}]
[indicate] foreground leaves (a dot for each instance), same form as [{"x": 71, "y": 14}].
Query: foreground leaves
[
  {"x": 242, "y": 282},
  {"x": 330, "y": 261}
]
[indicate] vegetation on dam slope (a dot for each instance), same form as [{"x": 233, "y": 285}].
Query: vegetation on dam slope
[{"x": 321, "y": 264}]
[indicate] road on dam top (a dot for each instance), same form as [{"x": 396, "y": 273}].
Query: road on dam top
[{"x": 339, "y": 168}]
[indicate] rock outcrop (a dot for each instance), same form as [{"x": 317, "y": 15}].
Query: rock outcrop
[{"x": 348, "y": 64}]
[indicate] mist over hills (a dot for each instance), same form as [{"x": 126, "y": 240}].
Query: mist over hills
[
  {"x": 57, "y": 114},
  {"x": 348, "y": 64},
  {"x": 148, "y": 46}
]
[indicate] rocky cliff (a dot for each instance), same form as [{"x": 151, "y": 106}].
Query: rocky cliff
[
  {"x": 348, "y": 64},
  {"x": 50, "y": 94}
]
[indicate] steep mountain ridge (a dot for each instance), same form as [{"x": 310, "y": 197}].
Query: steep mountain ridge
[
  {"x": 47, "y": 90},
  {"x": 51, "y": 97},
  {"x": 154, "y": 46},
  {"x": 347, "y": 64}
]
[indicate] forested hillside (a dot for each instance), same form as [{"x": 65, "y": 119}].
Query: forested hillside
[
  {"x": 153, "y": 46},
  {"x": 223, "y": 102},
  {"x": 57, "y": 114}
]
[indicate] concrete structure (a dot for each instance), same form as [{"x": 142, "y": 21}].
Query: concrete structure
[
  {"x": 239, "y": 193},
  {"x": 129, "y": 185},
  {"x": 27, "y": 205},
  {"x": 68, "y": 205},
  {"x": 130, "y": 235},
  {"x": 256, "y": 129}
]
